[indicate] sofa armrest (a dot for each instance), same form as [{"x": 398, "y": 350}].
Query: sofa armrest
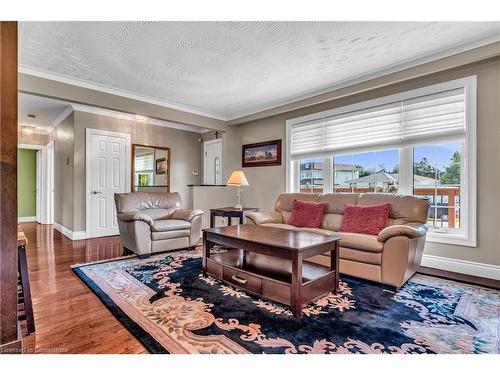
[
  {"x": 134, "y": 216},
  {"x": 263, "y": 217},
  {"x": 410, "y": 230},
  {"x": 186, "y": 215}
]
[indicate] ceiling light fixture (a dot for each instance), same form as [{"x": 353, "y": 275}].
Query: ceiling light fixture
[
  {"x": 27, "y": 130},
  {"x": 140, "y": 118}
]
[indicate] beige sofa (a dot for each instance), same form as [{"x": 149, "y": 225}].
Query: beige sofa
[
  {"x": 390, "y": 258},
  {"x": 155, "y": 222}
]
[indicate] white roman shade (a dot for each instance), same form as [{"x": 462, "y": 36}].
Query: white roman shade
[
  {"x": 423, "y": 118},
  {"x": 434, "y": 116}
]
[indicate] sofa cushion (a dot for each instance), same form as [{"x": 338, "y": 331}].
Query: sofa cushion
[
  {"x": 404, "y": 208},
  {"x": 307, "y": 214},
  {"x": 331, "y": 222},
  {"x": 156, "y": 213},
  {"x": 336, "y": 202},
  {"x": 155, "y": 236},
  {"x": 349, "y": 254},
  {"x": 168, "y": 225},
  {"x": 360, "y": 241},
  {"x": 360, "y": 256},
  {"x": 365, "y": 219},
  {"x": 305, "y": 229},
  {"x": 285, "y": 200},
  {"x": 126, "y": 202}
]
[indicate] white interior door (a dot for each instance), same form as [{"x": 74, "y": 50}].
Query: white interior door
[
  {"x": 212, "y": 170},
  {"x": 108, "y": 172}
]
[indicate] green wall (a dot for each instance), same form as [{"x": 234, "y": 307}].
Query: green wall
[{"x": 26, "y": 182}]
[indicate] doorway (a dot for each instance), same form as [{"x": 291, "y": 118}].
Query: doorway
[
  {"x": 212, "y": 165},
  {"x": 36, "y": 183},
  {"x": 107, "y": 172}
]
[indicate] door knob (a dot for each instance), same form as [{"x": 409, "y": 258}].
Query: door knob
[{"x": 96, "y": 192}]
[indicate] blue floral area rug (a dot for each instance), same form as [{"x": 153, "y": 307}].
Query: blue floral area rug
[{"x": 171, "y": 308}]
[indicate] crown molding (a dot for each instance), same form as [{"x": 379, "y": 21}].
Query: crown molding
[
  {"x": 62, "y": 116},
  {"x": 130, "y": 117},
  {"x": 113, "y": 91}
]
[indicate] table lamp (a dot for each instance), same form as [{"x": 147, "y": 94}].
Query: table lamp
[{"x": 238, "y": 179}]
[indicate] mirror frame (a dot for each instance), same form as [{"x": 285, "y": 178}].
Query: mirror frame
[{"x": 168, "y": 155}]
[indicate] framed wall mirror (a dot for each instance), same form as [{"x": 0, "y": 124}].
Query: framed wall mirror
[{"x": 150, "y": 168}]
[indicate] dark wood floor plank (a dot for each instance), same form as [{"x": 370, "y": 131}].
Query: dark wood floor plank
[{"x": 69, "y": 318}]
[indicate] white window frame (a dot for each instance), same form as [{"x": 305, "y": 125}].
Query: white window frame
[{"x": 467, "y": 234}]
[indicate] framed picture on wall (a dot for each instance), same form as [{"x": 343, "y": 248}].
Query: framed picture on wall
[
  {"x": 161, "y": 166},
  {"x": 261, "y": 154}
]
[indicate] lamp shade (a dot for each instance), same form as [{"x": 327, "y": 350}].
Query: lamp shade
[{"x": 237, "y": 178}]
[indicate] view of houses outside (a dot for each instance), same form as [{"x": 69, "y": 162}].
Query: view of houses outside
[
  {"x": 436, "y": 176},
  {"x": 311, "y": 175}
]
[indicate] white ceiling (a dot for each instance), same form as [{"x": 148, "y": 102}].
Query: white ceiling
[
  {"x": 46, "y": 111},
  {"x": 230, "y": 69}
]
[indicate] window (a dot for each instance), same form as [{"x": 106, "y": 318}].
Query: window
[
  {"x": 419, "y": 142},
  {"x": 217, "y": 170},
  {"x": 376, "y": 171},
  {"x": 437, "y": 174},
  {"x": 311, "y": 175}
]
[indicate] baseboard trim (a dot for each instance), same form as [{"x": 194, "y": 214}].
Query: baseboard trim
[
  {"x": 72, "y": 235},
  {"x": 488, "y": 271},
  {"x": 461, "y": 277},
  {"x": 26, "y": 219}
]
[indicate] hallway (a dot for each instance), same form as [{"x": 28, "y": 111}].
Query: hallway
[{"x": 69, "y": 318}]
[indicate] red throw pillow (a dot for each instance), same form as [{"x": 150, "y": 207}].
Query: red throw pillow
[
  {"x": 307, "y": 214},
  {"x": 365, "y": 219}
]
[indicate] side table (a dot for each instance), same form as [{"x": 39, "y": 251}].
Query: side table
[{"x": 229, "y": 212}]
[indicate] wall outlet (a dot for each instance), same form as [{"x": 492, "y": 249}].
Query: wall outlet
[{"x": 196, "y": 172}]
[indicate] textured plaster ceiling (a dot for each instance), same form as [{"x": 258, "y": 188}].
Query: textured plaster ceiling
[
  {"x": 46, "y": 111},
  {"x": 230, "y": 69}
]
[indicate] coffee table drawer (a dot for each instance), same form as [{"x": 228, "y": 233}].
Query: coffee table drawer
[{"x": 242, "y": 279}]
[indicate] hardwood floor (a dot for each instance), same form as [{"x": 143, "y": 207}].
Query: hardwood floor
[{"x": 69, "y": 318}]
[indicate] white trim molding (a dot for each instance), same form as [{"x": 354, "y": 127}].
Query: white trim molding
[
  {"x": 62, "y": 116},
  {"x": 134, "y": 118},
  {"x": 489, "y": 271},
  {"x": 26, "y": 219},
  {"x": 118, "y": 92},
  {"x": 72, "y": 235}
]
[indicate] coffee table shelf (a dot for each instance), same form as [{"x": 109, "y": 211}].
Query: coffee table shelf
[{"x": 259, "y": 265}]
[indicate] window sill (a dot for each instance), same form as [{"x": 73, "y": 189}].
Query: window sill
[{"x": 450, "y": 239}]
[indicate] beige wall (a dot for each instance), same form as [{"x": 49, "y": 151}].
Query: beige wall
[
  {"x": 267, "y": 182},
  {"x": 185, "y": 154},
  {"x": 64, "y": 136}
]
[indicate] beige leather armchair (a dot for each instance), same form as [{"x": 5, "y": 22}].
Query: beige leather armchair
[
  {"x": 391, "y": 257},
  {"x": 155, "y": 222}
]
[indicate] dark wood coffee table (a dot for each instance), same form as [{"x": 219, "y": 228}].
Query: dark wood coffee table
[{"x": 271, "y": 262}]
